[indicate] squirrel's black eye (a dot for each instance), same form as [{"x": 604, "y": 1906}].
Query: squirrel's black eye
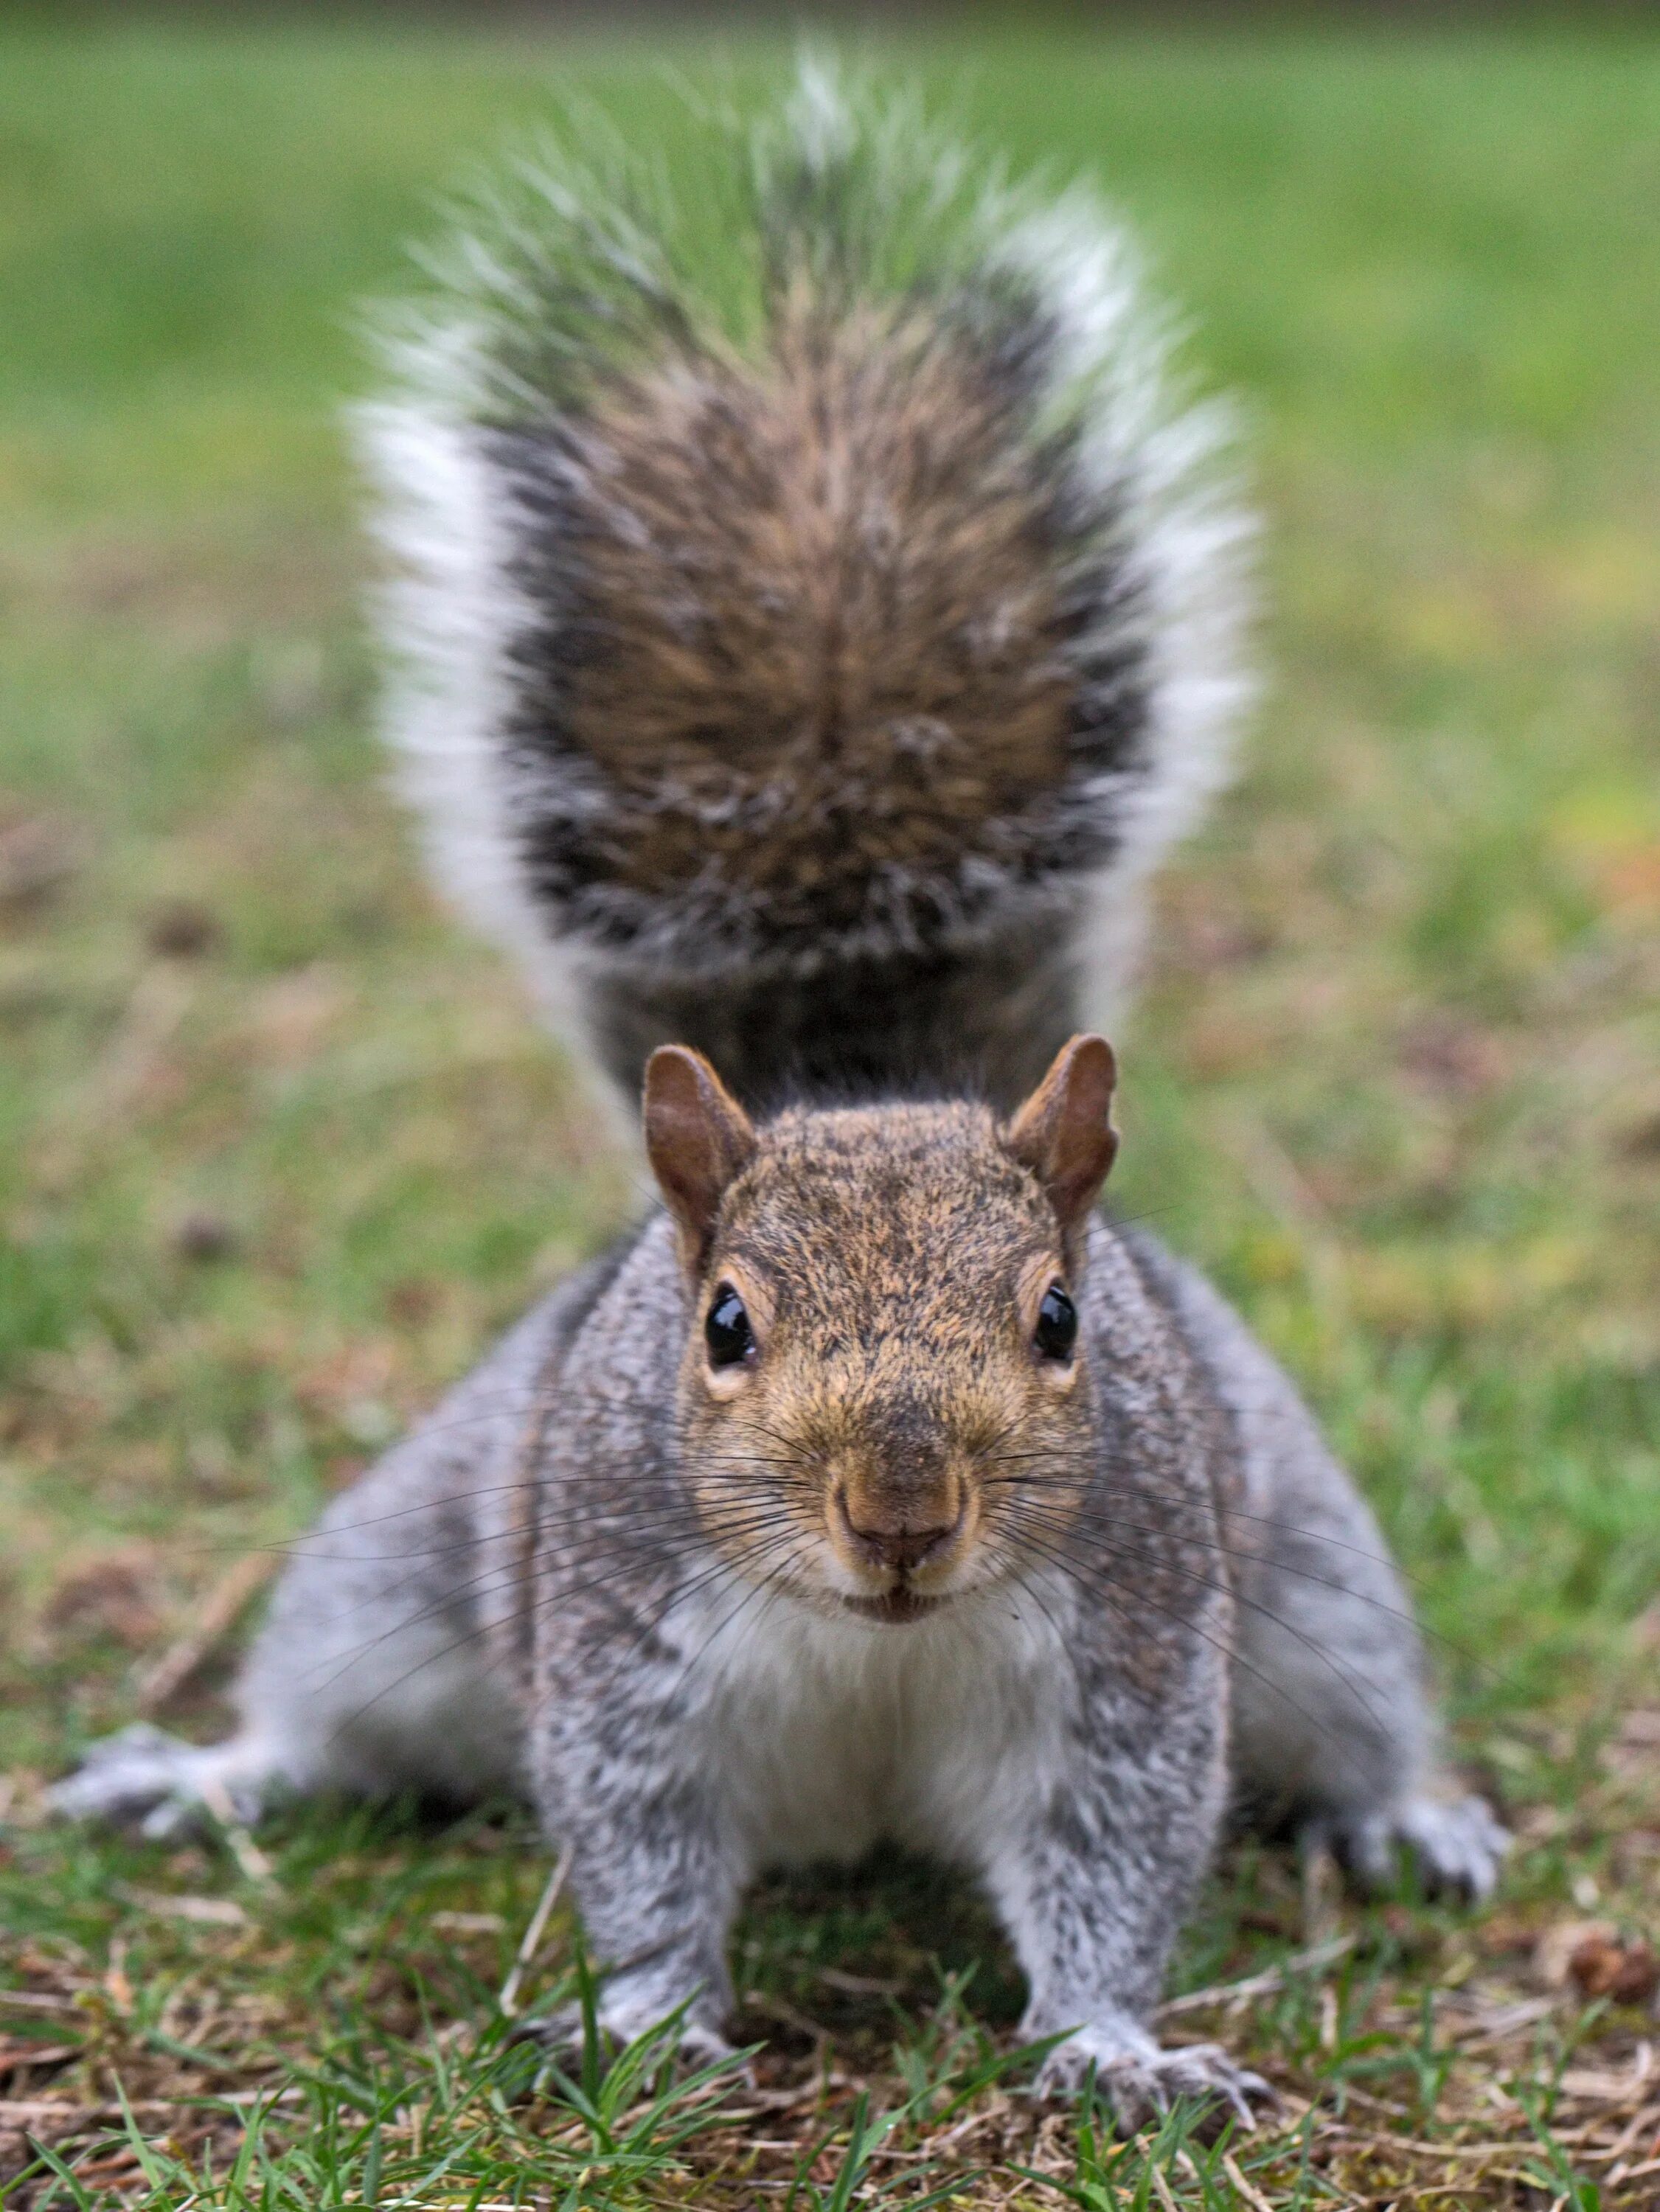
[
  {"x": 727, "y": 1330},
  {"x": 1057, "y": 1324}
]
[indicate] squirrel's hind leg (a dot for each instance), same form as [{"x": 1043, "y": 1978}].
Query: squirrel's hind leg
[
  {"x": 369, "y": 1678},
  {"x": 1332, "y": 1722},
  {"x": 141, "y": 1777},
  {"x": 403, "y": 1702},
  {"x": 1332, "y": 1730},
  {"x": 381, "y": 1669}
]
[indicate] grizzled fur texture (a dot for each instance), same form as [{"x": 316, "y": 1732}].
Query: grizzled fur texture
[
  {"x": 808, "y": 671},
  {"x": 837, "y": 599},
  {"x": 901, "y": 1578}
]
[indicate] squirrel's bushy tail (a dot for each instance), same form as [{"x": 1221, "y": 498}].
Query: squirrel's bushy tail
[{"x": 818, "y": 611}]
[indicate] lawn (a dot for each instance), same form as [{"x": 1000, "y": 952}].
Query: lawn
[{"x": 280, "y": 1148}]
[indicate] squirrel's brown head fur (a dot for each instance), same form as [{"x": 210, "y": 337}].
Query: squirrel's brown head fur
[{"x": 882, "y": 1351}]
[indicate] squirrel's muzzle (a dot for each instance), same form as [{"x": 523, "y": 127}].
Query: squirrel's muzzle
[{"x": 899, "y": 1539}]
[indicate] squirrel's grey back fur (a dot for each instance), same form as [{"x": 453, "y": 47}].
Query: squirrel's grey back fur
[{"x": 815, "y": 589}]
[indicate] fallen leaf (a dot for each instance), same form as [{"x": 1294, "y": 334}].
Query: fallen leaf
[
  {"x": 1625, "y": 1973},
  {"x": 1553, "y": 1952}
]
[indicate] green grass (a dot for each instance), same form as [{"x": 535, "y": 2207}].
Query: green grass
[{"x": 1393, "y": 1080}]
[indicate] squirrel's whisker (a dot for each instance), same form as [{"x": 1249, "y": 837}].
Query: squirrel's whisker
[
  {"x": 483, "y": 1633},
  {"x": 499, "y": 1576},
  {"x": 1068, "y": 1533},
  {"x": 1125, "y": 1600}
]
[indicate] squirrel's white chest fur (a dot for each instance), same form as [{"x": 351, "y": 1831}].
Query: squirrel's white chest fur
[{"x": 831, "y": 1735}]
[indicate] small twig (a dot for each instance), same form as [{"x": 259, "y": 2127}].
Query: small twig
[
  {"x": 860, "y": 1985},
  {"x": 19, "y": 2112},
  {"x": 209, "y": 1912},
  {"x": 1626, "y": 2139},
  {"x": 255, "y": 1867},
  {"x": 1388, "y": 2106},
  {"x": 1265, "y": 1984},
  {"x": 1494, "y": 2173},
  {"x": 37, "y": 2054},
  {"x": 762, "y": 2101},
  {"x": 1322, "y": 1888},
  {"x": 216, "y": 1617},
  {"x": 1419, "y": 2148},
  {"x": 786, "y": 2016},
  {"x": 16, "y": 2112},
  {"x": 508, "y": 2002},
  {"x": 117, "y": 1988},
  {"x": 1479, "y": 2034},
  {"x": 1248, "y": 2190}
]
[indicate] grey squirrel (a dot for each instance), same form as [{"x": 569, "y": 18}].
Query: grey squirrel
[{"x": 818, "y": 613}]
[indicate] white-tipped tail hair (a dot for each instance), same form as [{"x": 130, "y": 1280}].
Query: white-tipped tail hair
[{"x": 818, "y": 600}]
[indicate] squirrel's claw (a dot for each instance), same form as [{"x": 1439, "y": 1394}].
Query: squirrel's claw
[
  {"x": 145, "y": 1780},
  {"x": 1456, "y": 1844},
  {"x": 1141, "y": 2084}
]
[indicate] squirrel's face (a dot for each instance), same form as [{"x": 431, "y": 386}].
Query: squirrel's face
[{"x": 884, "y": 1363}]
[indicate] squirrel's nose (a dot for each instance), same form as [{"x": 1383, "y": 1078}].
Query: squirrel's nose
[{"x": 891, "y": 1538}]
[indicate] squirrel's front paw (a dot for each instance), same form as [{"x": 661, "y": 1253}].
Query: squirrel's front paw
[
  {"x": 1141, "y": 2079},
  {"x": 1456, "y": 1844}
]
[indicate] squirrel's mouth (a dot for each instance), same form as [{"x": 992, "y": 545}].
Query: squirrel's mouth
[{"x": 899, "y": 1605}]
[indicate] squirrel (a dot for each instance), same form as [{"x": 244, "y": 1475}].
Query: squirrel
[{"x": 821, "y": 605}]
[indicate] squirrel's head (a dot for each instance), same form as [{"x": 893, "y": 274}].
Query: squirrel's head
[{"x": 885, "y": 1358}]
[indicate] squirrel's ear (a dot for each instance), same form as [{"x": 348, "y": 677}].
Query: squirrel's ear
[
  {"x": 697, "y": 1138},
  {"x": 1064, "y": 1132}
]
